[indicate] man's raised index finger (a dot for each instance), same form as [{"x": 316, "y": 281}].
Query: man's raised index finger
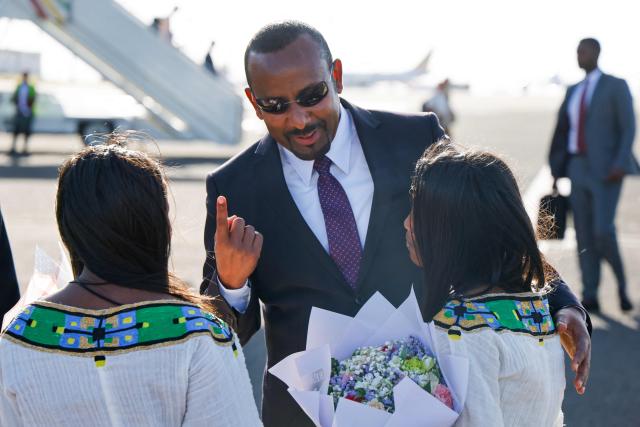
[{"x": 222, "y": 227}]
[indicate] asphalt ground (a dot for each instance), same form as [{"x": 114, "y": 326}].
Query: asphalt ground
[{"x": 517, "y": 127}]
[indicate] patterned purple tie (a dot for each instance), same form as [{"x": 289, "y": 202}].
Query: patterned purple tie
[{"x": 344, "y": 243}]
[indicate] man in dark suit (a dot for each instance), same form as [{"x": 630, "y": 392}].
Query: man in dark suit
[
  {"x": 9, "y": 291},
  {"x": 592, "y": 145},
  {"x": 327, "y": 189}
]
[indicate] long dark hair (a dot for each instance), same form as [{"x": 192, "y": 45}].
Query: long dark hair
[
  {"x": 470, "y": 226},
  {"x": 113, "y": 217}
]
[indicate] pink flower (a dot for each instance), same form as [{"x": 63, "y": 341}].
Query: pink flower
[{"x": 443, "y": 394}]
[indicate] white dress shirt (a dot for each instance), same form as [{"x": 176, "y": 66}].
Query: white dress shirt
[
  {"x": 574, "y": 106},
  {"x": 351, "y": 170}
]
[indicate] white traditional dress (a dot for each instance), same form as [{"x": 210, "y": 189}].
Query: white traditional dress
[
  {"x": 159, "y": 363},
  {"x": 516, "y": 369}
]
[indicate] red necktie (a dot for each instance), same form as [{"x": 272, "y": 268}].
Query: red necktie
[{"x": 582, "y": 118}]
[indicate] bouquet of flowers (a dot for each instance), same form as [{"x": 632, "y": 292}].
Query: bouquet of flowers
[
  {"x": 371, "y": 373},
  {"x": 379, "y": 368}
]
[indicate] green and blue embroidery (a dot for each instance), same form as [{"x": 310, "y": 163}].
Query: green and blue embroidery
[
  {"x": 527, "y": 314},
  {"x": 85, "y": 333}
]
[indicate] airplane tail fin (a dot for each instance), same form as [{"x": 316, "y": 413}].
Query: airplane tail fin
[{"x": 422, "y": 66}]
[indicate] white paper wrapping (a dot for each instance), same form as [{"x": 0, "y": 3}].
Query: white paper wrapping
[
  {"x": 48, "y": 277},
  {"x": 330, "y": 334}
]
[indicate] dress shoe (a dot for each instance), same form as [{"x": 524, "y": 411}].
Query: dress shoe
[
  {"x": 591, "y": 305},
  {"x": 625, "y": 304}
]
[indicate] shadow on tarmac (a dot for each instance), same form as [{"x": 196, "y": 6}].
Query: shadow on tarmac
[{"x": 611, "y": 398}]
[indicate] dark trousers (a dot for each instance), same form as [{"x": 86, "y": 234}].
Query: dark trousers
[
  {"x": 594, "y": 203},
  {"x": 22, "y": 124}
]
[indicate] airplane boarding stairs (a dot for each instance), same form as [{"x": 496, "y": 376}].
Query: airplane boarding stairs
[{"x": 185, "y": 99}]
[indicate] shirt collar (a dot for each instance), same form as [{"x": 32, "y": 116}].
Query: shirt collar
[
  {"x": 339, "y": 152},
  {"x": 593, "y": 75}
]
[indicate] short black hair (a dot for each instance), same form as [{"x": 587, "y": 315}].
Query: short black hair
[
  {"x": 279, "y": 35},
  {"x": 595, "y": 44}
]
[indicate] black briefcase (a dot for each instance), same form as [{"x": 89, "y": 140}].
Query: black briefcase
[{"x": 552, "y": 215}]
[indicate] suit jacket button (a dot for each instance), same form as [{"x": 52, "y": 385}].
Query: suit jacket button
[{"x": 358, "y": 301}]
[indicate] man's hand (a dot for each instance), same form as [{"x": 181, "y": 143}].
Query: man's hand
[
  {"x": 237, "y": 247},
  {"x": 615, "y": 175},
  {"x": 577, "y": 343}
]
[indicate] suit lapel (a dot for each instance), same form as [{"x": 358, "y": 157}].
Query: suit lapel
[
  {"x": 280, "y": 206},
  {"x": 383, "y": 175},
  {"x": 597, "y": 94}
]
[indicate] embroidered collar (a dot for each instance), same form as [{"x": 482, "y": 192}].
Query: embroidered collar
[
  {"x": 82, "y": 332},
  {"x": 526, "y": 313}
]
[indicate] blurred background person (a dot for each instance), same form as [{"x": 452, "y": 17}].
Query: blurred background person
[
  {"x": 592, "y": 145},
  {"x": 162, "y": 26},
  {"x": 24, "y": 99},
  {"x": 9, "y": 290},
  {"x": 126, "y": 342},
  {"x": 439, "y": 104},
  {"x": 208, "y": 60}
]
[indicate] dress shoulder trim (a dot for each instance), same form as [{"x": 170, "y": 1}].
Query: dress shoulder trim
[
  {"x": 525, "y": 313},
  {"x": 96, "y": 333}
]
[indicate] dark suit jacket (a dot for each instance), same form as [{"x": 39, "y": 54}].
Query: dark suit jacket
[
  {"x": 609, "y": 130},
  {"x": 9, "y": 291},
  {"x": 295, "y": 273}
]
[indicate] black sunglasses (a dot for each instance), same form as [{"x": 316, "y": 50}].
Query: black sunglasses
[{"x": 306, "y": 98}]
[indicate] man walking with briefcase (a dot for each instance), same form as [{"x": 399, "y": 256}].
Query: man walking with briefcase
[{"x": 592, "y": 145}]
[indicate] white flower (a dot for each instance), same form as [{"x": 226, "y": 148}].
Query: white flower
[{"x": 376, "y": 404}]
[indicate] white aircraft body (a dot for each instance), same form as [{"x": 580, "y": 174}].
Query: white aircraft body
[{"x": 368, "y": 79}]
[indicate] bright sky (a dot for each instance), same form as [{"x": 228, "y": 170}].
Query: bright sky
[{"x": 489, "y": 43}]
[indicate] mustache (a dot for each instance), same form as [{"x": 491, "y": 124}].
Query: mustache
[{"x": 306, "y": 130}]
